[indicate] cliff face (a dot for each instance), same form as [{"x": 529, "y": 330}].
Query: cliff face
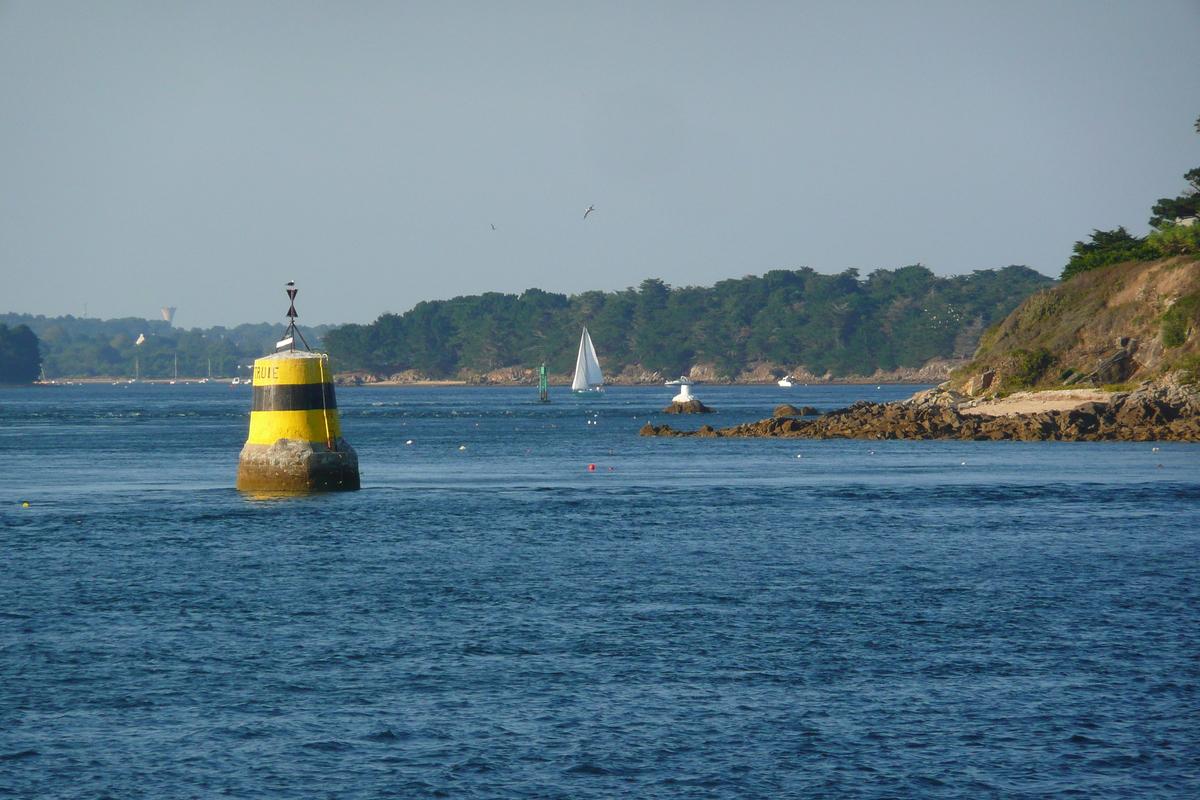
[{"x": 1125, "y": 323}]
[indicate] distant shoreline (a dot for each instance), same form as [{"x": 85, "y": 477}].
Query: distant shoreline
[
  {"x": 498, "y": 385},
  {"x": 468, "y": 384}
]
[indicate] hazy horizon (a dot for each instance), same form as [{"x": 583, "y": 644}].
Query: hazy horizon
[{"x": 200, "y": 155}]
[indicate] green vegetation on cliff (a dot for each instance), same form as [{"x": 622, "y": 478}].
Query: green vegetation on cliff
[
  {"x": 1169, "y": 209},
  {"x": 1176, "y": 232},
  {"x": 828, "y": 323},
  {"x": 1105, "y": 248},
  {"x": 1120, "y": 246}
]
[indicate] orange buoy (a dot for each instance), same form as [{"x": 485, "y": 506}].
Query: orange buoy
[{"x": 591, "y": 466}]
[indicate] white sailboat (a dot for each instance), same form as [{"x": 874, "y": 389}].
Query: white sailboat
[{"x": 588, "y": 378}]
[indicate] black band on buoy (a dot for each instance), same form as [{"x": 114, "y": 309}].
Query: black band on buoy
[{"x": 294, "y": 397}]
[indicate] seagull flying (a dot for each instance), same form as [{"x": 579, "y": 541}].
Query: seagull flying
[
  {"x": 493, "y": 227},
  {"x": 589, "y": 210}
]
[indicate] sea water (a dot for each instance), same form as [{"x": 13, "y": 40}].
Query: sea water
[{"x": 492, "y": 617}]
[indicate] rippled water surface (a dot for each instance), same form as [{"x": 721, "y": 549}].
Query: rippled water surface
[{"x": 488, "y": 617}]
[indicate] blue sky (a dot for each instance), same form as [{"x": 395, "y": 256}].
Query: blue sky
[{"x": 201, "y": 154}]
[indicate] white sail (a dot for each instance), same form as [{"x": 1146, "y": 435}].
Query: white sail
[{"x": 587, "y": 367}]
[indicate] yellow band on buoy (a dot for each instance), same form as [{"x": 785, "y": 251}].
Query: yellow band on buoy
[
  {"x": 289, "y": 368},
  {"x": 293, "y": 400},
  {"x": 266, "y": 427}
]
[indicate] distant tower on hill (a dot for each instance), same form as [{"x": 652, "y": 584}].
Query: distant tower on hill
[{"x": 168, "y": 313}]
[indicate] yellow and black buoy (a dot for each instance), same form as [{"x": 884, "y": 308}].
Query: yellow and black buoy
[{"x": 295, "y": 442}]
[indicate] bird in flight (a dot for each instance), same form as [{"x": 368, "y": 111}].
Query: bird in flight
[
  {"x": 493, "y": 227},
  {"x": 590, "y": 209}
]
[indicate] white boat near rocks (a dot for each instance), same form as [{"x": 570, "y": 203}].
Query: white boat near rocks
[{"x": 685, "y": 389}]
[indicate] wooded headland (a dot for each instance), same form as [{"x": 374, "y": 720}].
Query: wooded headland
[{"x": 751, "y": 329}]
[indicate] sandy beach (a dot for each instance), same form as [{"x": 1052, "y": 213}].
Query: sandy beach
[{"x": 1036, "y": 402}]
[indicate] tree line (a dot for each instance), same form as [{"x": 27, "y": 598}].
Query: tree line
[
  {"x": 81, "y": 347},
  {"x": 841, "y": 324}
]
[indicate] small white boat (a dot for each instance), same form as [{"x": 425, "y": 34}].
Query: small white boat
[
  {"x": 588, "y": 378},
  {"x": 786, "y": 381}
]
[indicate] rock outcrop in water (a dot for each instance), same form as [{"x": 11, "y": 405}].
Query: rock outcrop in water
[
  {"x": 789, "y": 410},
  {"x": 1162, "y": 411},
  {"x": 692, "y": 406}
]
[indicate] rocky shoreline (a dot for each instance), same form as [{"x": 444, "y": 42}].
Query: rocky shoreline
[{"x": 1167, "y": 410}]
